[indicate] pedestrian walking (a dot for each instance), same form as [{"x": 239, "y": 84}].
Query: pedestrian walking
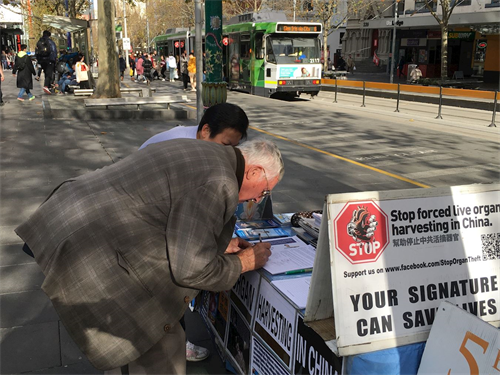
[
  {"x": 10, "y": 60},
  {"x": 156, "y": 65},
  {"x": 139, "y": 69},
  {"x": 24, "y": 69},
  {"x": 147, "y": 65},
  {"x": 192, "y": 71},
  {"x": 2, "y": 78},
  {"x": 4, "y": 60},
  {"x": 131, "y": 62},
  {"x": 401, "y": 66},
  {"x": 163, "y": 68},
  {"x": 184, "y": 69},
  {"x": 46, "y": 54},
  {"x": 350, "y": 64},
  {"x": 123, "y": 66},
  {"x": 172, "y": 67},
  {"x": 82, "y": 72}
]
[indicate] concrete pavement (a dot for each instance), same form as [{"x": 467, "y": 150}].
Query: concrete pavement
[{"x": 36, "y": 155}]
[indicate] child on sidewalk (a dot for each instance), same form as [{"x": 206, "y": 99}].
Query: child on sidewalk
[
  {"x": 25, "y": 70},
  {"x": 82, "y": 72}
]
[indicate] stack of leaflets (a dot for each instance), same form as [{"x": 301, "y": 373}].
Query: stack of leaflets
[
  {"x": 304, "y": 236},
  {"x": 310, "y": 226},
  {"x": 251, "y": 234},
  {"x": 256, "y": 224},
  {"x": 317, "y": 219},
  {"x": 283, "y": 219},
  {"x": 260, "y": 229}
]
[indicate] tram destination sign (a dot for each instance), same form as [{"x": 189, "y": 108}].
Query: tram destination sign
[{"x": 298, "y": 27}]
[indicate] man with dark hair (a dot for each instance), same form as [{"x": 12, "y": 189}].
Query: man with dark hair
[
  {"x": 46, "y": 54},
  {"x": 224, "y": 123}
]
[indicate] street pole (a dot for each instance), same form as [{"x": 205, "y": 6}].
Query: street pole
[
  {"x": 125, "y": 53},
  {"x": 394, "y": 39},
  {"x": 294, "y": 5},
  {"x": 199, "y": 59},
  {"x": 147, "y": 25}
]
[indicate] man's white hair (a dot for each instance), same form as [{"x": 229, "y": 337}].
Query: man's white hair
[{"x": 266, "y": 154}]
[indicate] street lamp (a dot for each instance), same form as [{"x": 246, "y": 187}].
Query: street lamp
[
  {"x": 125, "y": 54},
  {"x": 394, "y": 38}
]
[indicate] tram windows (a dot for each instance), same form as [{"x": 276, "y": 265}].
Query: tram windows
[
  {"x": 245, "y": 46},
  {"x": 259, "y": 47},
  {"x": 270, "y": 52}
]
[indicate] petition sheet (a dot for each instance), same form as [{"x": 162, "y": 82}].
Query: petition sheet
[{"x": 289, "y": 254}]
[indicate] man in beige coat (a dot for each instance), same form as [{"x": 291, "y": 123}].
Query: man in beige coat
[{"x": 125, "y": 248}]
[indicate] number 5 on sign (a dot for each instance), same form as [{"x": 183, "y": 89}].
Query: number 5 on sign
[{"x": 461, "y": 343}]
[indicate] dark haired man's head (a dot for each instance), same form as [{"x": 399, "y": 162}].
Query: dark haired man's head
[
  {"x": 23, "y": 47},
  {"x": 46, "y": 33},
  {"x": 224, "y": 123}
]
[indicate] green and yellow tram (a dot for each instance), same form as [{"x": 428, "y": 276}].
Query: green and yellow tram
[
  {"x": 272, "y": 58},
  {"x": 262, "y": 58}
]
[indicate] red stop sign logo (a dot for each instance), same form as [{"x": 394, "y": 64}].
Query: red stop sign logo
[
  {"x": 176, "y": 44},
  {"x": 361, "y": 232}
]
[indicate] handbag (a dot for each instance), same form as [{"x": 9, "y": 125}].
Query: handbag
[{"x": 354, "y": 67}]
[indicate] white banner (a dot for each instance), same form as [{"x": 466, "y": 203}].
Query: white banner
[
  {"x": 397, "y": 255},
  {"x": 126, "y": 44},
  {"x": 275, "y": 322}
]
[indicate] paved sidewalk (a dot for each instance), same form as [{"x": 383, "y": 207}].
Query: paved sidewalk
[{"x": 36, "y": 155}]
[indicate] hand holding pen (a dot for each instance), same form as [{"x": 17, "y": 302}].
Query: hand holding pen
[{"x": 254, "y": 257}]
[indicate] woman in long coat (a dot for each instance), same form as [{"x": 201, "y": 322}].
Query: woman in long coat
[{"x": 25, "y": 72}]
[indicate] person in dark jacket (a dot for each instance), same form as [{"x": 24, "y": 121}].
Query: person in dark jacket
[
  {"x": 123, "y": 66},
  {"x": 47, "y": 60},
  {"x": 148, "y": 66},
  {"x": 25, "y": 70}
]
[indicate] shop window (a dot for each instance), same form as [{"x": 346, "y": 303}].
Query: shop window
[
  {"x": 494, "y": 3},
  {"x": 461, "y": 3},
  {"x": 421, "y": 8},
  {"x": 401, "y": 7}
]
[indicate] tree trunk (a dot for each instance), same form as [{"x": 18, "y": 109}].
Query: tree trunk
[
  {"x": 444, "y": 51},
  {"x": 108, "y": 83}
]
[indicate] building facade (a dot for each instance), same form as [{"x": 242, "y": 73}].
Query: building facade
[{"x": 473, "y": 38}]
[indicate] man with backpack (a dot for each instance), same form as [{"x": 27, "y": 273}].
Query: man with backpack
[{"x": 46, "y": 54}]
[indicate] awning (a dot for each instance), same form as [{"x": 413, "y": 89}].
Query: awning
[
  {"x": 11, "y": 31},
  {"x": 65, "y": 23}
]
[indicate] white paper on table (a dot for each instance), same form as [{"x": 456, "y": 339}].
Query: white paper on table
[
  {"x": 289, "y": 254},
  {"x": 296, "y": 289}
]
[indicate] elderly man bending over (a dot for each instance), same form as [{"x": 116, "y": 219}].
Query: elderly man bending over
[{"x": 125, "y": 248}]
